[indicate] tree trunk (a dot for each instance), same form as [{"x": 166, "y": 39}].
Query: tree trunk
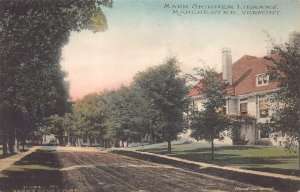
[
  {"x": 142, "y": 141},
  {"x": 17, "y": 146},
  {"x": 89, "y": 141},
  {"x": 69, "y": 144},
  {"x": 60, "y": 140},
  {"x": 212, "y": 149},
  {"x": 23, "y": 146},
  {"x": 11, "y": 146},
  {"x": 116, "y": 143},
  {"x": 4, "y": 145},
  {"x": 79, "y": 141},
  {"x": 106, "y": 143},
  {"x": 169, "y": 145},
  {"x": 299, "y": 151},
  {"x": 16, "y": 141}
]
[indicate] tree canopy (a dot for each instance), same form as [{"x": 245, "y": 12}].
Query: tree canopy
[
  {"x": 32, "y": 34},
  {"x": 209, "y": 123},
  {"x": 285, "y": 121},
  {"x": 163, "y": 86}
]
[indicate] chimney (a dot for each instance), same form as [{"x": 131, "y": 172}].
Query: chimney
[
  {"x": 294, "y": 40},
  {"x": 227, "y": 65}
]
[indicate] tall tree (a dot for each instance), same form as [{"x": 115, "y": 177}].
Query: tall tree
[
  {"x": 145, "y": 118},
  {"x": 89, "y": 117},
  {"x": 31, "y": 39},
  {"x": 285, "y": 120},
  {"x": 119, "y": 116},
  {"x": 56, "y": 127},
  {"x": 209, "y": 123},
  {"x": 163, "y": 86}
]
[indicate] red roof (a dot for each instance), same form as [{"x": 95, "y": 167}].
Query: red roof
[
  {"x": 196, "y": 90},
  {"x": 244, "y": 72}
]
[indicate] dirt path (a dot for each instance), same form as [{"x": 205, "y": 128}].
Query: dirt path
[{"x": 98, "y": 171}]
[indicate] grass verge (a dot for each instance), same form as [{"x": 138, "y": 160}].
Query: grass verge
[
  {"x": 273, "y": 159},
  {"x": 270, "y": 183}
]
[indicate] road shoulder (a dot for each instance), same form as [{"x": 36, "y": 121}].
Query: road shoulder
[
  {"x": 264, "y": 179},
  {"x": 10, "y": 160}
]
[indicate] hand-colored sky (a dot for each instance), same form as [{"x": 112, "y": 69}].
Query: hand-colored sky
[{"x": 142, "y": 33}]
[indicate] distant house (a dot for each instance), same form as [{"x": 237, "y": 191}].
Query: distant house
[{"x": 249, "y": 92}]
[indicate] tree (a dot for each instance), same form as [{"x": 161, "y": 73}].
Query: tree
[
  {"x": 89, "y": 117},
  {"x": 209, "y": 123},
  {"x": 56, "y": 127},
  {"x": 166, "y": 90},
  {"x": 119, "y": 116},
  {"x": 145, "y": 118},
  {"x": 285, "y": 120},
  {"x": 31, "y": 39}
]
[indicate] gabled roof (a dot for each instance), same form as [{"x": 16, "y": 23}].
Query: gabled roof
[
  {"x": 196, "y": 90},
  {"x": 244, "y": 73}
]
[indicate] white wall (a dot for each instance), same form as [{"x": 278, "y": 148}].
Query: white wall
[
  {"x": 232, "y": 106},
  {"x": 199, "y": 103}
]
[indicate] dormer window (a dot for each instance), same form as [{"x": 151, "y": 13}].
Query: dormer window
[{"x": 262, "y": 79}]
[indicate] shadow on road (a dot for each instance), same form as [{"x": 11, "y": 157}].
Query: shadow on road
[
  {"x": 270, "y": 183},
  {"x": 39, "y": 170}
]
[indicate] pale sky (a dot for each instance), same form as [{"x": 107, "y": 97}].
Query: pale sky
[{"x": 142, "y": 33}]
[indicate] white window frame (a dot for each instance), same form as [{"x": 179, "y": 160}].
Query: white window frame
[
  {"x": 262, "y": 75},
  {"x": 244, "y": 112},
  {"x": 260, "y": 135}
]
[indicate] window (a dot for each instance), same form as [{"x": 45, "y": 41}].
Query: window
[
  {"x": 263, "y": 109},
  {"x": 264, "y": 134},
  {"x": 262, "y": 79},
  {"x": 243, "y": 108}
]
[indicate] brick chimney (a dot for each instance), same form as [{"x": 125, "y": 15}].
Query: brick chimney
[
  {"x": 227, "y": 65},
  {"x": 294, "y": 38}
]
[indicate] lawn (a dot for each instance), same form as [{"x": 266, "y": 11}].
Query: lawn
[{"x": 264, "y": 158}]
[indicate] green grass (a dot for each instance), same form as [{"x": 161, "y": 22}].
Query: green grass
[{"x": 264, "y": 158}]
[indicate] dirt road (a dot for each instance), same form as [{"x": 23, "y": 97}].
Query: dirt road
[{"x": 75, "y": 170}]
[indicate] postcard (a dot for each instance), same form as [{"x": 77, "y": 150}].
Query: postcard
[{"x": 149, "y": 95}]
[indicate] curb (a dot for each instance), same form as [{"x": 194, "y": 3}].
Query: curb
[
  {"x": 270, "y": 180},
  {"x": 9, "y": 161}
]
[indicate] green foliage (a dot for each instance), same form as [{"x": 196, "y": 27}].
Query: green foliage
[
  {"x": 286, "y": 119},
  {"x": 166, "y": 91},
  {"x": 236, "y": 122},
  {"x": 211, "y": 121},
  {"x": 89, "y": 116},
  {"x": 145, "y": 121},
  {"x": 32, "y": 34},
  {"x": 117, "y": 104},
  {"x": 208, "y": 123}
]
